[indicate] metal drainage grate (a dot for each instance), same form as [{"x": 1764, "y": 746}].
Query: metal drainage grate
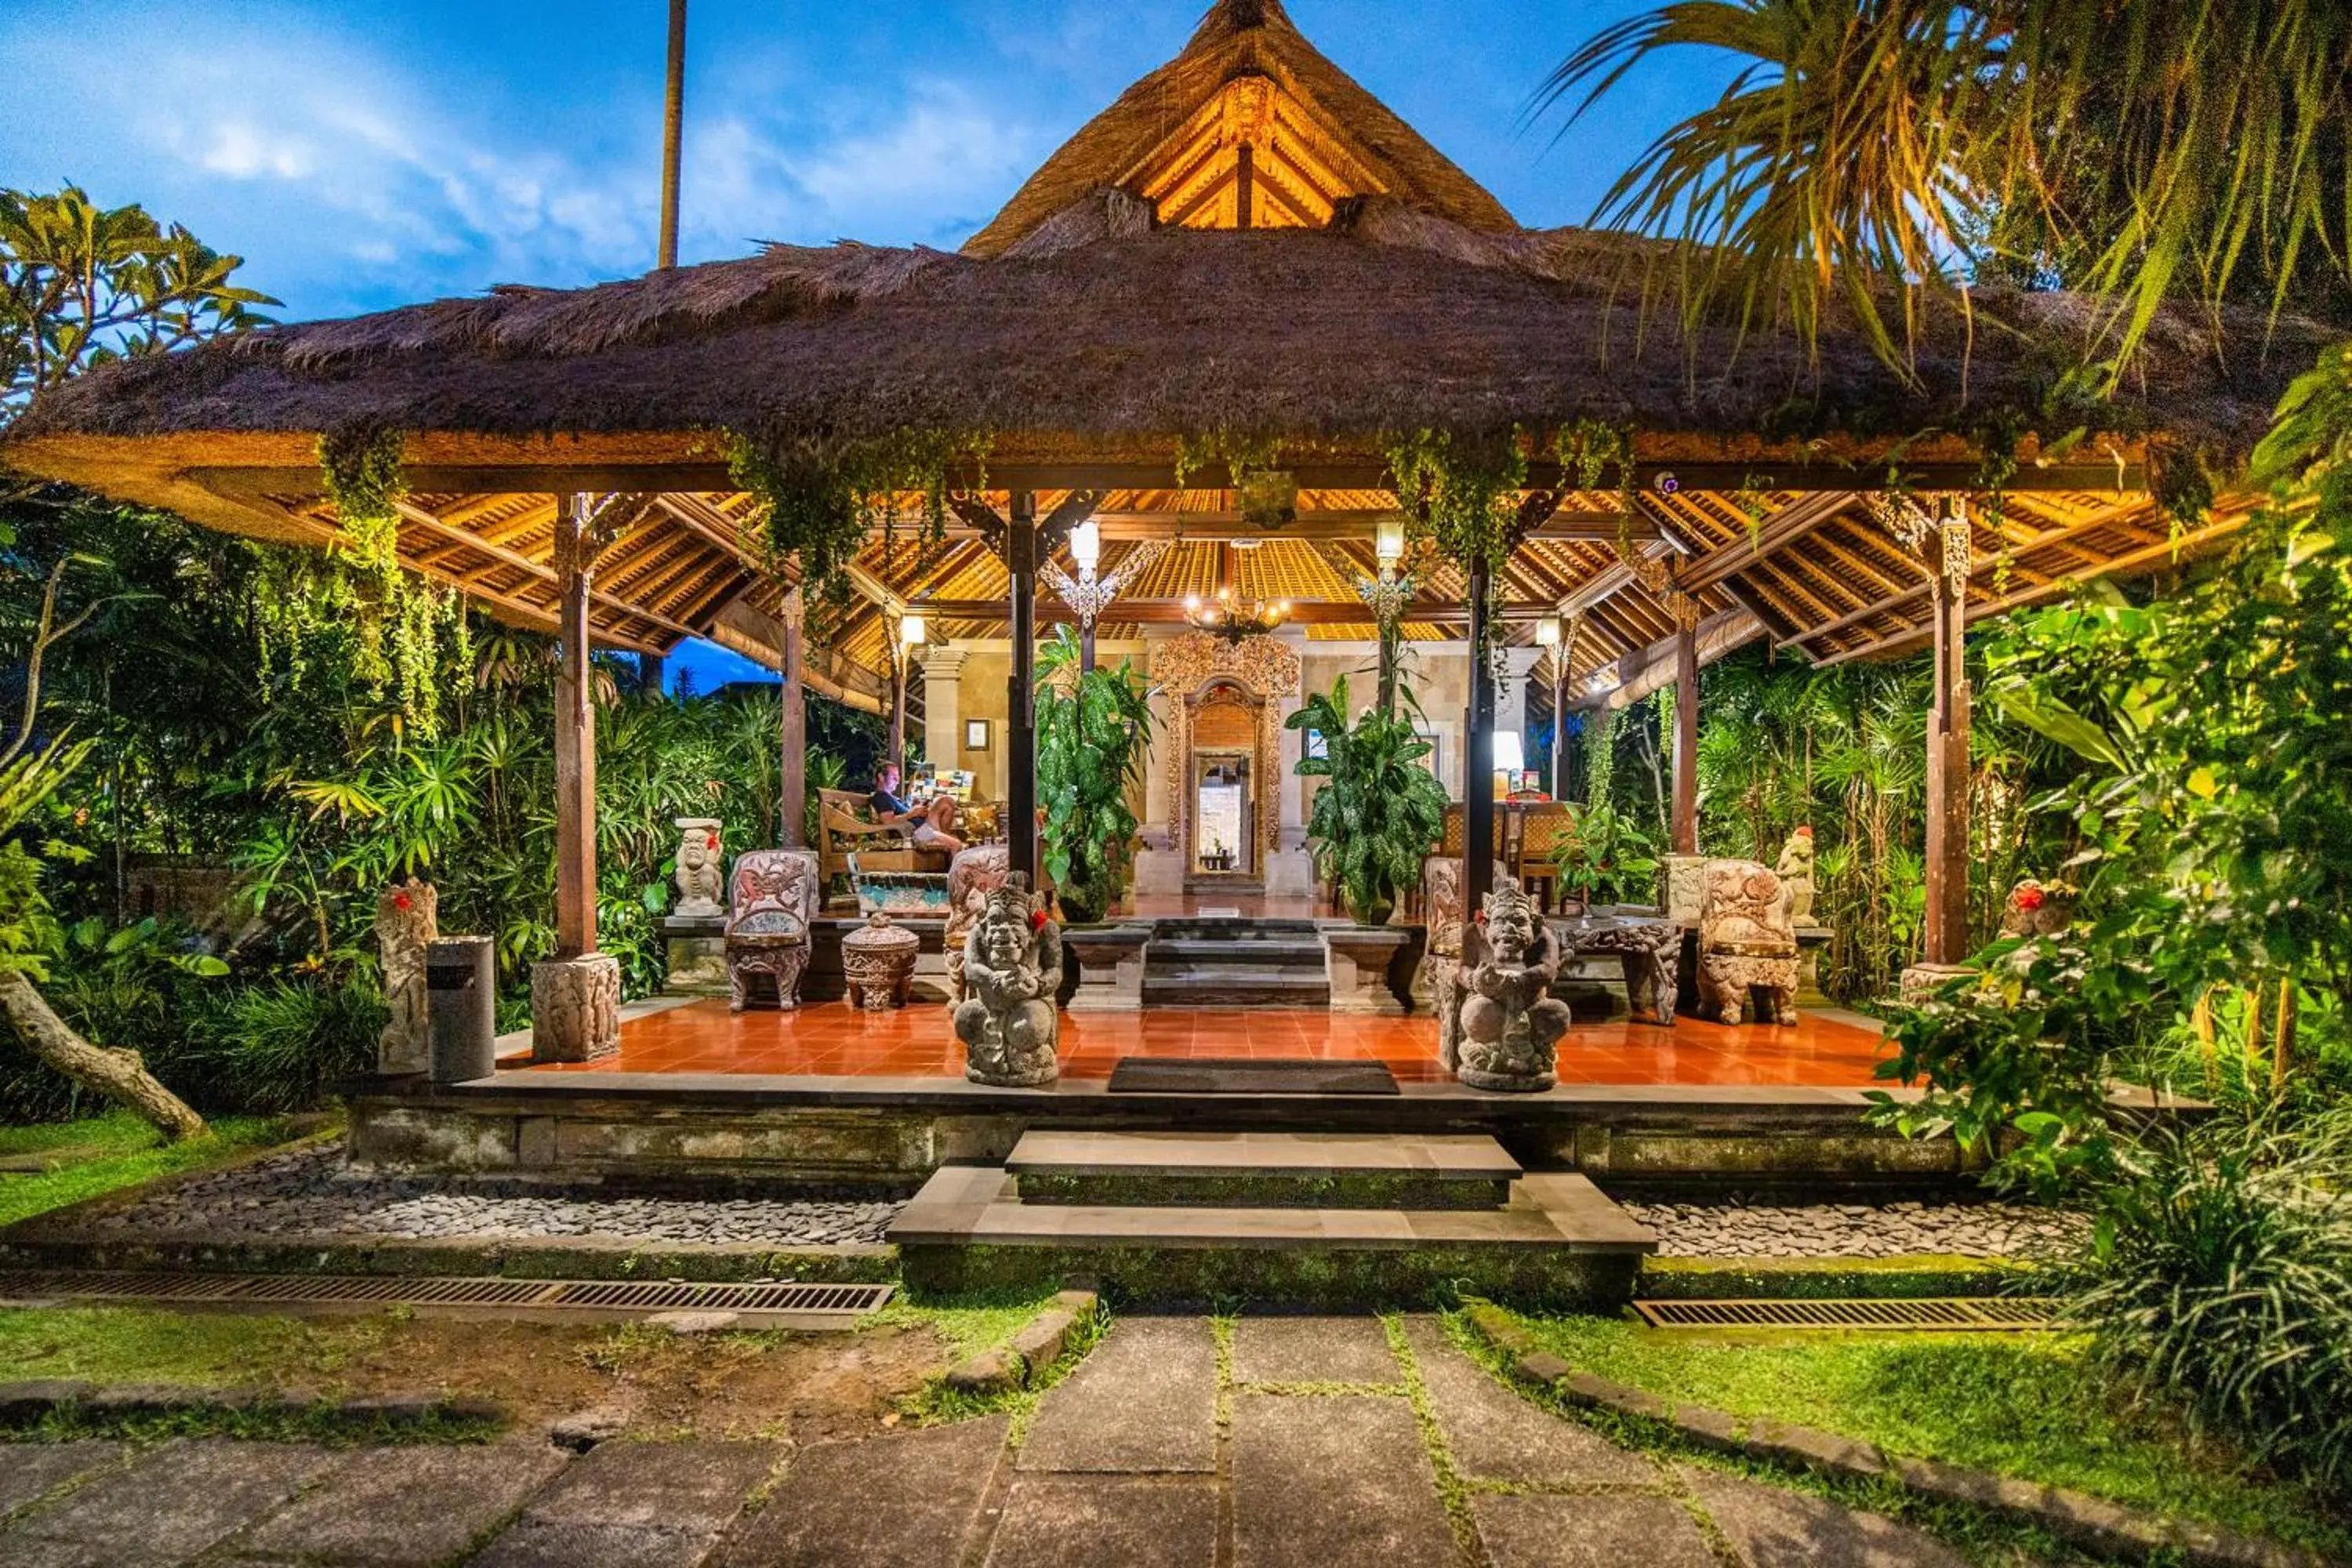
[
  {"x": 784, "y": 1305},
  {"x": 1947, "y": 1314}
]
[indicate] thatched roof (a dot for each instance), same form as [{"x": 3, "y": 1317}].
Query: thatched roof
[{"x": 1093, "y": 322}]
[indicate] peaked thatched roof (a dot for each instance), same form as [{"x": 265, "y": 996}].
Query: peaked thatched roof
[{"x": 1236, "y": 38}]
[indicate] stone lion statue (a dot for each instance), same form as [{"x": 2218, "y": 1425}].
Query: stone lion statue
[
  {"x": 1011, "y": 968},
  {"x": 1746, "y": 944},
  {"x": 1509, "y": 1020}
]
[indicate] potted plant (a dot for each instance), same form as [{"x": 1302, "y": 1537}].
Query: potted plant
[
  {"x": 1093, "y": 728},
  {"x": 1603, "y": 857},
  {"x": 1378, "y": 811}
]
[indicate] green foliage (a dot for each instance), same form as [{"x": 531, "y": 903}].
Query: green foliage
[
  {"x": 1380, "y": 811},
  {"x": 2219, "y": 1272},
  {"x": 81, "y": 284},
  {"x": 819, "y": 498},
  {"x": 1873, "y": 158},
  {"x": 282, "y": 1045},
  {"x": 1605, "y": 858},
  {"x": 118, "y": 1150},
  {"x": 401, "y": 619},
  {"x": 1093, "y": 731},
  {"x": 1462, "y": 494}
]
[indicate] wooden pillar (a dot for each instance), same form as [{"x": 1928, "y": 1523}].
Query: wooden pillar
[
  {"x": 792, "y": 792},
  {"x": 576, "y": 738},
  {"x": 895, "y": 742},
  {"x": 1559, "y": 717},
  {"x": 1087, "y": 646},
  {"x": 1947, "y": 935},
  {"x": 1478, "y": 754},
  {"x": 1686, "y": 734},
  {"x": 1021, "y": 710}
]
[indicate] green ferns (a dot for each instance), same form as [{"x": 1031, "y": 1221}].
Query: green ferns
[{"x": 1093, "y": 728}]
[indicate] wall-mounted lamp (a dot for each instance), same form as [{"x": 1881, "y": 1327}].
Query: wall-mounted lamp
[
  {"x": 911, "y": 631},
  {"x": 1548, "y": 632},
  {"x": 1388, "y": 544},
  {"x": 1086, "y": 547}
]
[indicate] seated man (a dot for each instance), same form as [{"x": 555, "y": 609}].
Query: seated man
[{"x": 932, "y": 826}]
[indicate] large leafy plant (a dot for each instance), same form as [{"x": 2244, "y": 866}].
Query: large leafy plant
[
  {"x": 1606, "y": 857},
  {"x": 1093, "y": 729},
  {"x": 1380, "y": 811}
]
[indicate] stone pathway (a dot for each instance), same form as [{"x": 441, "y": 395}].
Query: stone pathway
[
  {"x": 1311, "y": 1442},
  {"x": 310, "y": 1193},
  {"x": 1737, "y": 1229}
]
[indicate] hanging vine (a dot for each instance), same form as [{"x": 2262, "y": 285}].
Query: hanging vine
[
  {"x": 1588, "y": 449},
  {"x": 819, "y": 497},
  {"x": 398, "y": 618},
  {"x": 1462, "y": 495}
]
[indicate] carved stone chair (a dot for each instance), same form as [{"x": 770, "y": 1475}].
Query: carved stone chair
[
  {"x": 772, "y": 900},
  {"x": 973, "y": 875},
  {"x": 1747, "y": 944}
]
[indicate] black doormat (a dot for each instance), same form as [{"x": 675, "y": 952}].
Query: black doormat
[{"x": 1227, "y": 1075}]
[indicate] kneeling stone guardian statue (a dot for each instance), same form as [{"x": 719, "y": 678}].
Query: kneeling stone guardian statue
[
  {"x": 1012, "y": 969},
  {"x": 1509, "y": 1018}
]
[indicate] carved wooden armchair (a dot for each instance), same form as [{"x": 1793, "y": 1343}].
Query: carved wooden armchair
[{"x": 772, "y": 900}]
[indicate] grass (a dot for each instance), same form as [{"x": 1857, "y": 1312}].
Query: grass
[
  {"x": 2032, "y": 1406},
  {"x": 123, "y": 1151},
  {"x": 976, "y": 1323},
  {"x": 194, "y": 1350}
]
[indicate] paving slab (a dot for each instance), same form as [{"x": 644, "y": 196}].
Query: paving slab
[
  {"x": 910, "y": 1500},
  {"x": 535, "y": 1544},
  {"x": 165, "y": 1508},
  {"x": 1536, "y": 1530},
  {"x": 1770, "y": 1528},
  {"x": 1494, "y": 1435},
  {"x": 682, "y": 1488},
  {"x": 31, "y": 1470},
  {"x": 1134, "y": 1521},
  {"x": 1313, "y": 1350},
  {"x": 1144, "y": 1400},
  {"x": 405, "y": 1507},
  {"x": 1336, "y": 1478}
]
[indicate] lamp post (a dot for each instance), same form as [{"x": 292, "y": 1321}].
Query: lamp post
[
  {"x": 912, "y": 631},
  {"x": 1086, "y": 553},
  {"x": 1549, "y": 634},
  {"x": 1388, "y": 598}
]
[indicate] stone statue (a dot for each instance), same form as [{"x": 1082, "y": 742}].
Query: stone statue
[
  {"x": 407, "y": 919},
  {"x": 1509, "y": 1018},
  {"x": 1796, "y": 873},
  {"x": 2038, "y": 909},
  {"x": 772, "y": 904},
  {"x": 1441, "y": 966},
  {"x": 701, "y": 882},
  {"x": 1011, "y": 968},
  {"x": 972, "y": 875},
  {"x": 1746, "y": 944}
]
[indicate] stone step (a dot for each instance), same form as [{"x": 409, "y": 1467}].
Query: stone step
[
  {"x": 1264, "y": 1170},
  {"x": 1181, "y": 952},
  {"x": 1238, "y": 985},
  {"x": 1232, "y": 930},
  {"x": 1558, "y": 1243}
]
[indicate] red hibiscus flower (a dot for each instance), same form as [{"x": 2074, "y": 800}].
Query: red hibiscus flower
[
  {"x": 2030, "y": 898},
  {"x": 400, "y": 900},
  {"x": 711, "y": 842},
  {"x": 1036, "y": 920}
]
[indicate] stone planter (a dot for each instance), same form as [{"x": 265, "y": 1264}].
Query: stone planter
[
  {"x": 878, "y": 961},
  {"x": 1369, "y": 968},
  {"x": 1110, "y": 967},
  {"x": 575, "y": 1008}
]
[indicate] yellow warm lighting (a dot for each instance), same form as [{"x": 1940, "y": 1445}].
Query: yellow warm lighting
[
  {"x": 1548, "y": 632},
  {"x": 1086, "y": 546},
  {"x": 911, "y": 631},
  {"x": 1388, "y": 540}
]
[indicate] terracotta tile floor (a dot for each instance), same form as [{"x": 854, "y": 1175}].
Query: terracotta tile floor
[{"x": 832, "y": 1039}]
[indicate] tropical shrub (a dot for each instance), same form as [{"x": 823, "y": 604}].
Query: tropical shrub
[
  {"x": 1606, "y": 857},
  {"x": 282, "y": 1045},
  {"x": 2219, "y": 1273},
  {"x": 1380, "y": 812},
  {"x": 1093, "y": 729}
]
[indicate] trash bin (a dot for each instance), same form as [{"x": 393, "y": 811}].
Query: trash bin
[{"x": 461, "y": 987}]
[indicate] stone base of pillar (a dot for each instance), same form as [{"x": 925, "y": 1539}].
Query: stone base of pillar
[
  {"x": 696, "y": 949},
  {"x": 575, "y": 1008},
  {"x": 1920, "y": 983},
  {"x": 1159, "y": 867},
  {"x": 1290, "y": 874},
  {"x": 1811, "y": 942},
  {"x": 1371, "y": 967},
  {"x": 1685, "y": 888},
  {"x": 1110, "y": 967}
]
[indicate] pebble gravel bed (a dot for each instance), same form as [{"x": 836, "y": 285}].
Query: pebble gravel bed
[
  {"x": 311, "y": 1193},
  {"x": 1742, "y": 1229}
]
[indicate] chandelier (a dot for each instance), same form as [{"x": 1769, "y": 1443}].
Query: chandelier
[{"x": 1235, "y": 619}]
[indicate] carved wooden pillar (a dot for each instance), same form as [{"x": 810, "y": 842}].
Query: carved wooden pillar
[
  {"x": 1950, "y": 563},
  {"x": 1686, "y": 730},
  {"x": 1479, "y": 754},
  {"x": 575, "y": 736},
  {"x": 1021, "y": 712},
  {"x": 793, "y": 781}
]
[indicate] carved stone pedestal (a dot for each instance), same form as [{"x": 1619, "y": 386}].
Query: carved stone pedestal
[
  {"x": 1685, "y": 888},
  {"x": 1365, "y": 964},
  {"x": 1110, "y": 967},
  {"x": 1920, "y": 983},
  {"x": 698, "y": 953},
  {"x": 575, "y": 1008},
  {"x": 1811, "y": 942},
  {"x": 877, "y": 961}
]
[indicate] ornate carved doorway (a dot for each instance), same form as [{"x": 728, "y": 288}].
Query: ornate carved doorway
[{"x": 1224, "y": 756}]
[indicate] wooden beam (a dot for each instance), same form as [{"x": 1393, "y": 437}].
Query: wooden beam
[
  {"x": 418, "y": 517},
  {"x": 1479, "y": 758},
  {"x": 1946, "y": 936},
  {"x": 1641, "y": 670},
  {"x": 1783, "y": 529},
  {"x": 576, "y": 738}
]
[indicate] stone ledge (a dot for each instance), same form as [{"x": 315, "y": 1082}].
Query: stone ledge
[
  {"x": 1038, "y": 1344},
  {"x": 30, "y": 1404},
  {"x": 2098, "y": 1526}
]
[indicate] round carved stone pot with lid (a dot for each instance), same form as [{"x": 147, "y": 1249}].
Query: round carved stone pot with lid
[{"x": 877, "y": 959}]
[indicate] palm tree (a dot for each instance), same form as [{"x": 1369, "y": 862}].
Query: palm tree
[{"x": 1882, "y": 155}]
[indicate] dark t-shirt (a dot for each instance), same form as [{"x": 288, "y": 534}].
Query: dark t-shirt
[{"x": 886, "y": 805}]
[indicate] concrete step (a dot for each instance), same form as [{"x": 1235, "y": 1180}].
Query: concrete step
[
  {"x": 1184, "y": 952},
  {"x": 1232, "y": 930},
  {"x": 1558, "y": 1243},
  {"x": 1238, "y": 985},
  {"x": 1264, "y": 1170}
]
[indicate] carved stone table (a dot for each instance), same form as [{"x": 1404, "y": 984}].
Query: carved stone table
[
  {"x": 877, "y": 961},
  {"x": 1649, "y": 949}
]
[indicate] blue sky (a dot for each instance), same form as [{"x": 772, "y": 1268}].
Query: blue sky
[{"x": 362, "y": 156}]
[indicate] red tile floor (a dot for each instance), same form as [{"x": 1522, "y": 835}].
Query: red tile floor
[{"x": 832, "y": 1039}]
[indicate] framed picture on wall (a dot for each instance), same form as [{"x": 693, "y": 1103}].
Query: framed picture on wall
[
  {"x": 975, "y": 734},
  {"x": 1315, "y": 745},
  {"x": 1435, "y": 761}
]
